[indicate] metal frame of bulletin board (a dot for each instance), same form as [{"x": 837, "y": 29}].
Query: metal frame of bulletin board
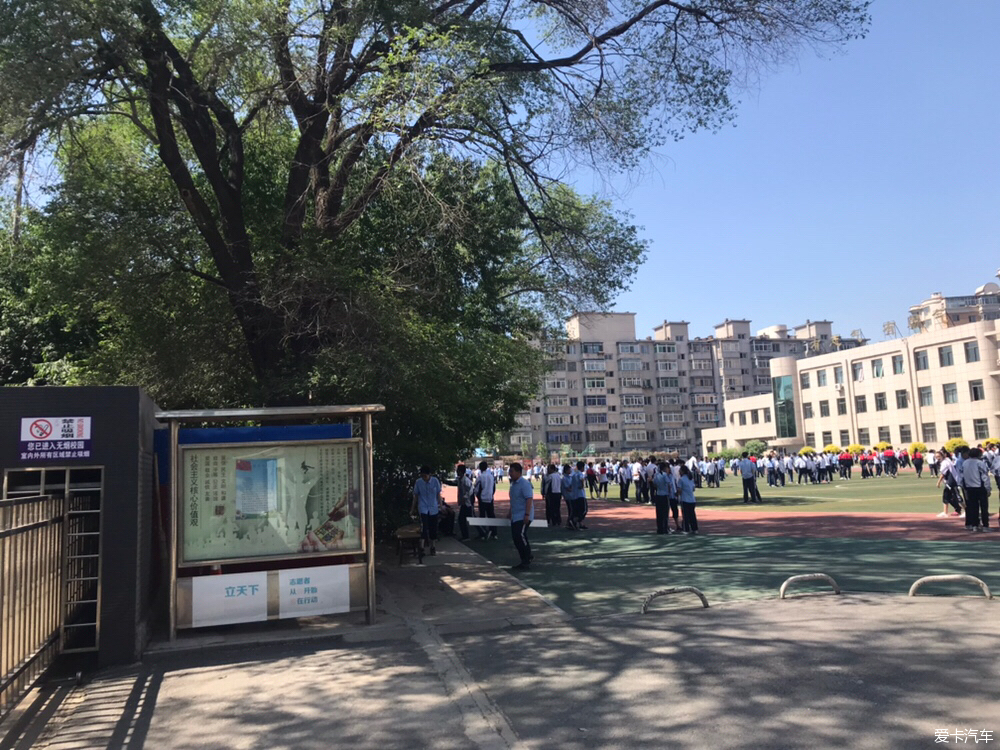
[{"x": 270, "y": 500}]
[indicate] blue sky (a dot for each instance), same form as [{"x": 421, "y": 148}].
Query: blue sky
[{"x": 852, "y": 186}]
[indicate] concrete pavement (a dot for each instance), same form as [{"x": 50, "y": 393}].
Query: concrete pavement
[{"x": 467, "y": 657}]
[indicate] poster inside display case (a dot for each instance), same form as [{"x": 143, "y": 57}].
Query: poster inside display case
[{"x": 265, "y": 500}]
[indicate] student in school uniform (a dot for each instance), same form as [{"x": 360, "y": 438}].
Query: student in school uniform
[
  {"x": 552, "y": 492},
  {"x": 465, "y": 508},
  {"x": 664, "y": 489},
  {"x": 426, "y": 498},
  {"x": 686, "y": 493},
  {"x": 483, "y": 490}
]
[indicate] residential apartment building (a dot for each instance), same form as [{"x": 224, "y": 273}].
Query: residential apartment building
[
  {"x": 939, "y": 311},
  {"x": 930, "y": 387},
  {"x": 611, "y": 392}
]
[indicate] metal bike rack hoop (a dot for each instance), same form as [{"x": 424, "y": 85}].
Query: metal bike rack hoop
[
  {"x": 958, "y": 578},
  {"x": 808, "y": 577},
  {"x": 675, "y": 590}
]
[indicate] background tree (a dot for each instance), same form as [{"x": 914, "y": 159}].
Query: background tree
[
  {"x": 831, "y": 448},
  {"x": 755, "y": 447},
  {"x": 855, "y": 448},
  {"x": 370, "y": 93},
  {"x": 914, "y": 447}
]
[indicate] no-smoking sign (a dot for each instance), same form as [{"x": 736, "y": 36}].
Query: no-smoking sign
[
  {"x": 40, "y": 429},
  {"x": 55, "y": 437}
]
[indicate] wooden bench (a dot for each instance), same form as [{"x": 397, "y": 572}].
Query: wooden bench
[{"x": 412, "y": 534}]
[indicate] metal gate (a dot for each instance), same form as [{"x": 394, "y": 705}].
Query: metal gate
[{"x": 32, "y": 565}]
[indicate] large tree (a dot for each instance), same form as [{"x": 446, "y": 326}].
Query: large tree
[{"x": 370, "y": 94}]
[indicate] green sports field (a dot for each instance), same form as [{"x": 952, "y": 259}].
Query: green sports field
[{"x": 905, "y": 494}]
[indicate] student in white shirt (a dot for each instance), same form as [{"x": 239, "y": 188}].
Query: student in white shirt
[{"x": 483, "y": 490}]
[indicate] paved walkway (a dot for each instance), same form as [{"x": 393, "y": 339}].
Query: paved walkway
[{"x": 466, "y": 656}]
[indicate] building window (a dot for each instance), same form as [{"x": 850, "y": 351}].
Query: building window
[
  {"x": 551, "y": 401},
  {"x": 883, "y": 435},
  {"x": 804, "y": 380},
  {"x": 634, "y": 417},
  {"x": 863, "y": 437},
  {"x": 877, "y": 368},
  {"x": 754, "y": 417},
  {"x": 954, "y": 429},
  {"x": 945, "y": 357},
  {"x": 671, "y": 416},
  {"x": 635, "y": 436},
  {"x": 841, "y": 407},
  {"x": 838, "y": 375},
  {"x": 845, "y": 438},
  {"x": 743, "y": 418},
  {"x": 880, "y": 402},
  {"x": 902, "y": 399},
  {"x": 767, "y": 414},
  {"x": 858, "y": 371},
  {"x": 629, "y": 365},
  {"x": 976, "y": 390},
  {"x": 820, "y": 378},
  {"x": 555, "y": 384},
  {"x": 594, "y": 383},
  {"x": 904, "y": 434},
  {"x": 827, "y": 438},
  {"x": 925, "y": 395},
  {"x": 950, "y": 393},
  {"x": 928, "y": 432},
  {"x": 633, "y": 401},
  {"x": 665, "y": 348},
  {"x": 592, "y": 348},
  {"x": 920, "y": 361},
  {"x": 824, "y": 408},
  {"x": 595, "y": 401},
  {"x": 596, "y": 419},
  {"x": 667, "y": 382},
  {"x": 628, "y": 348},
  {"x": 783, "y": 389},
  {"x": 811, "y": 439},
  {"x": 807, "y": 411},
  {"x": 981, "y": 428},
  {"x": 559, "y": 419},
  {"x": 593, "y": 365},
  {"x": 630, "y": 382},
  {"x": 666, "y": 365},
  {"x": 897, "y": 364},
  {"x": 762, "y": 379},
  {"x": 860, "y": 404},
  {"x": 701, "y": 364},
  {"x": 971, "y": 351}
]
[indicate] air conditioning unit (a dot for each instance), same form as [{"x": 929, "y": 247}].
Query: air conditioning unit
[{"x": 839, "y": 387}]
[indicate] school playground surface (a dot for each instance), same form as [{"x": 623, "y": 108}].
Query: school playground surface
[{"x": 867, "y": 534}]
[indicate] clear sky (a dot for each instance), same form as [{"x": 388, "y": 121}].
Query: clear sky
[{"x": 852, "y": 186}]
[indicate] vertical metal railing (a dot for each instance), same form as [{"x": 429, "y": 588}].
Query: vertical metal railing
[{"x": 32, "y": 550}]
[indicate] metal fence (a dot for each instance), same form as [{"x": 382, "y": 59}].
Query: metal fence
[{"x": 32, "y": 558}]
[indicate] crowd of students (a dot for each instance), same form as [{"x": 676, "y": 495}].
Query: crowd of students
[{"x": 670, "y": 486}]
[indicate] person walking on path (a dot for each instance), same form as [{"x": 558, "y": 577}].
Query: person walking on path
[
  {"x": 426, "y": 496},
  {"x": 464, "y": 502},
  {"x": 552, "y": 492},
  {"x": 976, "y": 480},
  {"x": 483, "y": 490},
  {"x": 602, "y": 481},
  {"x": 749, "y": 474},
  {"x": 686, "y": 491},
  {"x": 522, "y": 512},
  {"x": 918, "y": 462}
]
